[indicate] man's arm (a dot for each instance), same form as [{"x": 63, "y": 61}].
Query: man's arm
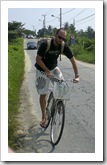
[
  {"x": 42, "y": 65},
  {"x": 73, "y": 61}
]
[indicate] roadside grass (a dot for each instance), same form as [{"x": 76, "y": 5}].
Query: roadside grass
[
  {"x": 82, "y": 54},
  {"x": 15, "y": 78},
  {"x": 86, "y": 57}
]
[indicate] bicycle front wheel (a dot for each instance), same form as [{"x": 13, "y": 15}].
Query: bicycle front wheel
[{"x": 57, "y": 123}]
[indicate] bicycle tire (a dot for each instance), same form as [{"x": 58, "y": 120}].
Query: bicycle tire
[
  {"x": 57, "y": 125},
  {"x": 49, "y": 109}
]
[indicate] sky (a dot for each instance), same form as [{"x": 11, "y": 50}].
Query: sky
[{"x": 33, "y": 17}]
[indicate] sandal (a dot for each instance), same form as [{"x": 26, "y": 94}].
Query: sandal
[{"x": 42, "y": 124}]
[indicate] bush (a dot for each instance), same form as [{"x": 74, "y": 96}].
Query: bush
[
  {"x": 76, "y": 49},
  {"x": 12, "y": 35},
  {"x": 89, "y": 45},
  {"x": 86, "y": 57}
]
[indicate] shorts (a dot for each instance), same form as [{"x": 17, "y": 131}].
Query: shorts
[{"x": 43, "y": 82}]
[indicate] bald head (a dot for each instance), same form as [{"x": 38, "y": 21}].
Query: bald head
[
  {"x": 61, "y": 31},
  {"x": 60, "y": 36}
]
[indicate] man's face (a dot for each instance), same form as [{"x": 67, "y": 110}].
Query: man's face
[{"x": 60, "y": 37}]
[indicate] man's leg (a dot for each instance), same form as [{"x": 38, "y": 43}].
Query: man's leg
[
  {"x": 43, "y": 107},
  {"x": 42, "y": 86}
]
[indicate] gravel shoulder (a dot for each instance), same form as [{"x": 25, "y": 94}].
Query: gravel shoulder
[{"x": 28, "y": 128}]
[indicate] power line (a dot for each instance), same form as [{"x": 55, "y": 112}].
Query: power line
[
  {"x": 84, "y": 22},
  {"x": 51, "y": 10},
  {"x": 64, "y": 13},
  {"x": 85, "y": 18},
  {"x": 68, "y": 11},
  {"x": 59, "y": 15},
  {"x": 77, "y": 14}
]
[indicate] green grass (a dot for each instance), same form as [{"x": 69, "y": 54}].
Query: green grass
[
  {"x": 83, "y": 55},
  {"x": 15, "y": 78},
  {"x": 86, "y": 57}
]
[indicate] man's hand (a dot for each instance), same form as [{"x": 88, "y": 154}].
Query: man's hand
[{"x": 48, "y": 74}]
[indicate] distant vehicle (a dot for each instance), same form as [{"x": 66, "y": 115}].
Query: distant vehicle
[
  {"x": 31, "y": 45},
  {"x": 30, "y": 36}
]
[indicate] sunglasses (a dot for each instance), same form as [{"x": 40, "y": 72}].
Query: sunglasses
[{"x": 61, "y": 38}]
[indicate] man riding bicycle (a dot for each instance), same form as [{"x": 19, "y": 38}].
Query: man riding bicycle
[{"x": 47, "y": 62}]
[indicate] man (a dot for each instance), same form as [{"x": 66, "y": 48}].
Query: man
[{"x": 47, "y": 62}]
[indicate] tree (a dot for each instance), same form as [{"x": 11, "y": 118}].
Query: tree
[
  {"x": 27, "y": 32},
  {"x": 15, "y": 29},
  {"x": 90, "y": 32},
  {"x": 72, "y": 28},
  {"x": 50, "y": 30},
  {"x": 66, "y": 26},
  {"x": 15, "y": 26},
  {"x": 40, "y": 33}
]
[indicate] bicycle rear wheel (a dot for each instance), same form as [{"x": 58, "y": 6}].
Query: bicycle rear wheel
[
  {"x": 57, "y": 123},
  {"x": 49, "y": 109}
]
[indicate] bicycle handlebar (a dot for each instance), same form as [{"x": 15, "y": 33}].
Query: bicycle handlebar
[{"x": 55, "y": 79}]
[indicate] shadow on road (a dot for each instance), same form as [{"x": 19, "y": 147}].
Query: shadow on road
[{"x": 34, "y": 141}]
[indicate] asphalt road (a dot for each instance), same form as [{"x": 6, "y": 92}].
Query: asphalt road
[{"x": 79, "y": 131}]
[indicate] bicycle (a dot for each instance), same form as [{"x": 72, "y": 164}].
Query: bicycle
[{"x": 55, "y": 109}]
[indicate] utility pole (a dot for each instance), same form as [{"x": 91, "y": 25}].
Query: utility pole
[
  {"x": 44, "y": 24},
  {"x": 33, "y": 28},
  {"x": 44, "y": 21},
  {"x": 60, "y": 18},
  {"x": 74, "y": 22}
]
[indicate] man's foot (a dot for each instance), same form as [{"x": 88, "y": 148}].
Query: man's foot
[{"x": 43, "y": 123}]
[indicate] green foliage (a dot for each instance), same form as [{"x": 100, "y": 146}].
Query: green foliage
[
  {"x": 86, "y": 57},
  {"x": 89, "y": 45},
  {"x": 15, "y": 78},
  {"x": 15, "y": 30},
  {"x": 15, "y": 26},
  {"x": 90, "y": 33},
  {"x": 77, "y": 49},
  {"x": 12, "y": 35},
  {"x": 27, "y": 32},
  {"x": 84, "y": 47}
]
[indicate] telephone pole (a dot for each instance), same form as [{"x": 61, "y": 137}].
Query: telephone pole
[
  {"x": 44, "y": 21},
  {"x": 74, "y": 22},
  {"x": 60, "y": 18}
]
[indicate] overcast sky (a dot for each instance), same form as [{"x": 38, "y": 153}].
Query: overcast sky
[{"x": 33, "y": 17}]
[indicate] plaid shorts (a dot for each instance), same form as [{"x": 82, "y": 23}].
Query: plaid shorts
[{"x": 43, "y": 82}]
